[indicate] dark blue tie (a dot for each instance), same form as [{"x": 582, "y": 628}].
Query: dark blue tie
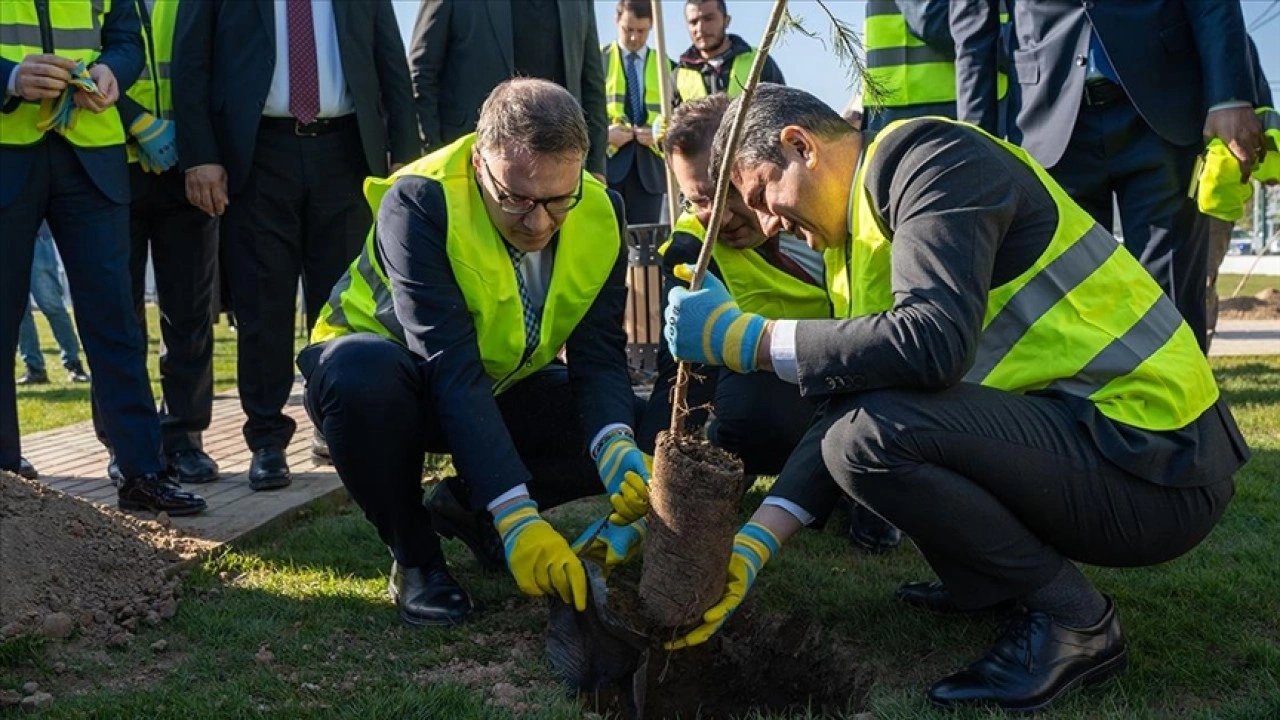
[{"x": 635, "y": 100}]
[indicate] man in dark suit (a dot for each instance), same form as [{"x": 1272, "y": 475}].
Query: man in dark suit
[
  {"x": 462, "y": 49},
  {"x": 74, "y": 175},
  {"x": 1118, "y": 99},
  {"x": 634, "y": 104},
  {"x": 443, "y": 336},
  {"x": 282, "y": 111}
]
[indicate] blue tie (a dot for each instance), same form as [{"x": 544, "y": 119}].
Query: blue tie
[
  {"x": 635, "y": 100},
  {"x": 532, "y": 322}
]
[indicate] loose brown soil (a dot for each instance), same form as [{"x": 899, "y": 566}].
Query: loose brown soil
[
  {"x": 1263, "y": 306},
  {"x": 693, "y": 500},
  {"x": 68, "y": 565}
]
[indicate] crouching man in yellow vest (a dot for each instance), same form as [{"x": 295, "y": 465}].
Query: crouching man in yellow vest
[
  {"x": 1004, "y": 382},
  {"x": 487, "y": 258},
  {"x": 758, "y": 417}
]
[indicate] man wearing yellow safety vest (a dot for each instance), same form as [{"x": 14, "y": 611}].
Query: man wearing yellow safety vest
[
  {"x": 633, "y": 102},
  {"x": 1004, "y": 382},
  {"x": 910, "y": 62},
  {"x": 487, "y": 257},
  {"x": 716, "y": 61},
  {"x": 182, "y": 242},
  {"x": 758, "y": 417},
  {"x": 62, "y": 158}
]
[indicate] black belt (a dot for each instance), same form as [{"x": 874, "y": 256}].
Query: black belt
[
  {"x": 319, "y": 126},
  {"x": 1100, "y": 92}
]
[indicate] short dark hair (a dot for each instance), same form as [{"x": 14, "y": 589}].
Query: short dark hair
[
  {"x": 693, "y": 125},
  {"x": 642, "y": 9},
  {"x": 531, "y": 115},
  {"x": 720, "y": 3},
  {"x": 774, "y": 107}
]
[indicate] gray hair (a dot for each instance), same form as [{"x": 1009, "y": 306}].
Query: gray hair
[
  {"x": 531, "y": 115},
  {"x": 774, "y": 107}
]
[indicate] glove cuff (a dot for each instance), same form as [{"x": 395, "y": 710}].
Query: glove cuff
[
  {"x": 514, "y": 518},
  {"x": 141, "y": 123},
  {"x": 742, "y": 342}
]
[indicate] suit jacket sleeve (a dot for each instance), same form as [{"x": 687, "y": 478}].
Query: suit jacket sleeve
[
  {"x": 410, "y": 232},
  {"x": 930, "y": 21},
  {"x": 1218, "y": 28},
  {"x": 6, "y": 70},
  {"x": 122, "y": 44},
  {"x": 426, "y": 59},
  {"x": 593, "y": 95},
  {"x": 129, "y": 111},
  {"x": 945, "y": 232},
  {"x": 597, "y": 348},
  {"x": 975, "y": 29},
  {"x": 192, "y": 72},
  {"x": 1261, "y": 87},
  {"x": 403, "y": 141}
]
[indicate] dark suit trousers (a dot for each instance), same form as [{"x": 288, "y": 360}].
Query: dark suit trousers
[
  {"x": 1113, "y": 150},
  {"x": 302, "y": 213},
  {"x": 367, "y": 394},
  {"x": 998, "y": 490},
  {"x": 92, "y": 234},
  {"x": 183, "y": 245},
  {"x": 643, "y": 207}
]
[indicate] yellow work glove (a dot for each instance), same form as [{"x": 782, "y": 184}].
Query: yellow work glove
[
  {"x": 625, "y": 472},
  {"x": 540, "y": 559},
  {"x": 631, "y": 501},
  {"x": 752, "y": 548},
  {"x": 157, "y": 143},
  {"x": 59, "y": 114},
  {"x": 608, "y": 544}
]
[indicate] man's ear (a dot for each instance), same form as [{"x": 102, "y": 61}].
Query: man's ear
[
  {"x": 727, "y": 19},
  {"x": 798, "y": 144}
]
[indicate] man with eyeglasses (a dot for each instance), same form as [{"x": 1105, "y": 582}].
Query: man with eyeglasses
[{"x": 488, "y": 256}]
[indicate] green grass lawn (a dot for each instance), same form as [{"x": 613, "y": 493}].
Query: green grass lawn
[
  {"x": 1254, "y": 285},
  {"x": 1204, "y": 630}
]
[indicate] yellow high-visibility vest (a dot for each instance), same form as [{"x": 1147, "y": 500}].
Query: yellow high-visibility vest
[
  {"x": 1085, "y": 319},
  {"x": 362, "y": 299},
  {"x": 1221, "y": 191},
  {"x": 756, "y": 285},
  {"x": 615, "y": 88},
  {"x": 153, "y": 90},
  {"x": 690, "y": 86},
  {"x": 74, "y": 31}
]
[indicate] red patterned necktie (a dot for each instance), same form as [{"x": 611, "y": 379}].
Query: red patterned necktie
[
  {"x": 772, "y": 252},
  {"x": 304, "y": 80}
]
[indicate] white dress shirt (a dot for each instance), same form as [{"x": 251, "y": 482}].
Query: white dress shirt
[{"x": 335, "y": 99}]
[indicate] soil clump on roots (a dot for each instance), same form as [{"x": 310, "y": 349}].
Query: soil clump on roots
[{"x": 68, "y": 565}]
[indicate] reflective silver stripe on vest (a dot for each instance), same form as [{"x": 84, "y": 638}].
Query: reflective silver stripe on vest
[
  {"x": 1270, "y": 120},
  {"x": 1125, "y": 353},
  {"x": 882, "y": 7},
  {"x": 1038, "y": 297},
  {"x": 895, "y": 56},
  {"x": 338, "y": 318},
  {"x": 146, "y": 71},
  {"x": 620, "y": 99},
  {"x": 384, "y": 309}
]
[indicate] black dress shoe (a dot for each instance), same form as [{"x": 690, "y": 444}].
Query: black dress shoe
[
  {"x": 871, "y": 532},
  {"x": 475, "y": 528},
  {"x": 192, "y": 466},
  {"x": 268, "y": 469},
  {"x": 34, "y": 378},
  {"x": 1035, "y": 662},
  {"x": 27, "y": 470},
  {"x": 319, "y": 448},
  {"x": 76, "y": 374},
  {"x": 428, "y": 596},
  {"x": 157, "y": 493},
  {"x": 936, "y": 598}
]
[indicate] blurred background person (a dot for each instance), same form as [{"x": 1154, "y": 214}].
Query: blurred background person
[
  {"x": 47, "y": 294},
  {"x": 633, "y": 104},
  {"x": 717, "y": 61}
]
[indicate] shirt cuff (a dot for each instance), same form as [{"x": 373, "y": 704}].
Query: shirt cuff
[
  {"x": 804, "y": 516},
  {"x": 605, "y": 431},
  {"x": 508, "y": 496},
  {"x": 1231, "y": 104},
  {"x": 11, "y": 89},
  {"x": 782, "y": 351}
]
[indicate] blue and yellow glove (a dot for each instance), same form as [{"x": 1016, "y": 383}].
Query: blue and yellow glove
[
  {"x": 59, "y": 114},
  {"x": 157, "y": 143},
  {"x": 752, "y": 548},
  {"x": 708, "y": 327},
  {"x": 608, "y": 544},
  {"x": 625, "y": 472},
  {"x": 539, "y": 557}
]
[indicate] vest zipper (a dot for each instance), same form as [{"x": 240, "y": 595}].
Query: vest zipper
[{"x": 46, "y": 25}]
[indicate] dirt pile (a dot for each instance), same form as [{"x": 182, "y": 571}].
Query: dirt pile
[
  {"x": 1263, "y": 306},
  {"x": 66, "y": 565}
]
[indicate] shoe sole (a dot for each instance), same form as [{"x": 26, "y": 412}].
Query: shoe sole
[
  {"x": 136, "y": 507},
  {"x": 1096, "y": 676},
  {"x": 196, "y": 480},
  {"x": 270, "y": 484}
]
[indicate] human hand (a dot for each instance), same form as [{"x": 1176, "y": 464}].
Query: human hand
[
  {"x": 620, "y": 135},
  {"x": 1239, "y": 128},
  {"x": 100, "y": 93},
  {"x": 207, "y": 188},
  {"x": 644, "y": 136},
  {"x": 43, "y": 76},
  {"x": 616, "y": 458},
  {"x": 631, "y": 501},
  {"x": 610, "y": 544},
  {"x": 708, "y": 327},
  {"x": 752, "y": 548},
  {"x": 157, "y": 143},
  {"x": 539, "y": 557}
]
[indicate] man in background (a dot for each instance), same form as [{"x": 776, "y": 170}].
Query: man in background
[
  {"x": 46, "y": 294},
  {"x": 461, "y": 50},
  {"x": 634, "y": 103},
  {"x": 716, "y": 61}
]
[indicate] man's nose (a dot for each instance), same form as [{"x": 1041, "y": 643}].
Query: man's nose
[{"x": 538, "y": 220}]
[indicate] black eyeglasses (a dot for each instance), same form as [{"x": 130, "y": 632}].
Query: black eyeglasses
[{"x": 513, "y": 204}]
